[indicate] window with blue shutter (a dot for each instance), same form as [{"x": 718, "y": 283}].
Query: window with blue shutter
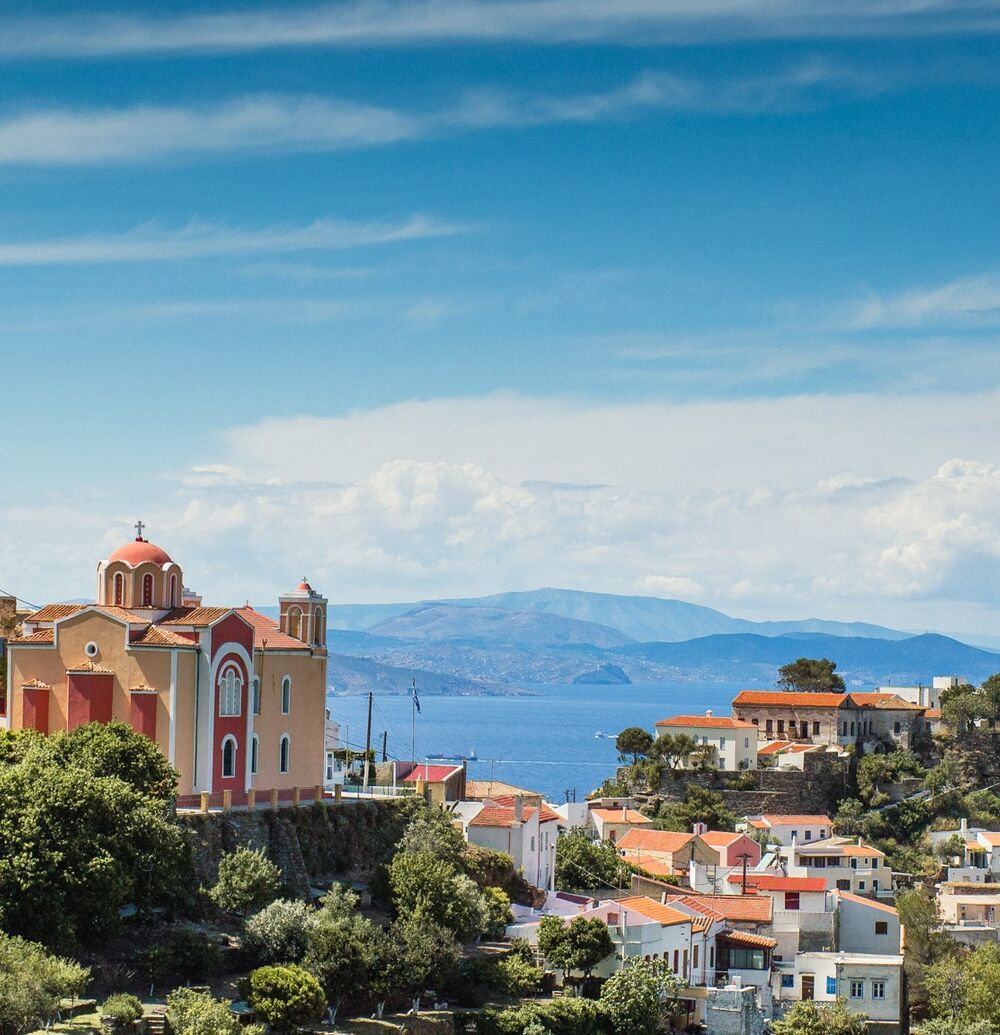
[{"x": 831, "y": 986}]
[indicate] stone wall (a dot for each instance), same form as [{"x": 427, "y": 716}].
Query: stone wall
[
  {"x": 816, "y": 789},
  {"x": 316, "y": 842}
]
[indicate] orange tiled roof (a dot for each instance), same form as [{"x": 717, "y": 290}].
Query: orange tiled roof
[
  {"x": 653, "y": 910},
  {"x": 756, "y": 941},
  {"x": 712, "y": 722},
  {"x": 991, "y": 837},
  {"x": 772, "y": 882},
  {"x": 35, "y": 684},
  {"x": 932, "y": 713},
  {"x": 265, "y": 628},
  {"x": 194, "y": 616},
  {"x": 848, "y": 848},
  {"x": 89, "y": 666},
  {"x": 775, "y": 819},
  {"x": 774, "y": 747},
  {"x": 649, "y": 863},
  {"x": 790, "y": 699},
  {"x": 154, "y": 636},
  {"x": 615, "y": 816},
  {"x": 41, "y": 636},
  {"x": 51, "y": 612},
  {"x": 655, "y": 840},
  {"x": 884, "y": 700},
  {"x": 755, "y": 908},
  {"x": 548, "y": 814},
  {"x": 719, "y": 838},
  {"x": 702, "y": 923},
  {"x": 868, "y": 902},
  {"x": 488, "y": 788}
]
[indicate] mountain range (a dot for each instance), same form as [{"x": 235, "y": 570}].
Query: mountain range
[{"x": 495, "y": 644}]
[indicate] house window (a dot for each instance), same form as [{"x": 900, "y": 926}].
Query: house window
[
  {"x": 852, "y": 729},
  {"x": 815, "y": 729},
  {"x": 862, "y": 885},
  {"x": 896, "y": 728},
  {"x": 881, "y": 927},
  {"x": 787, "y": 980},
  {"x": 228, "y": 757},
  {"x": 843, "y": 885},
  {"x": 286, "y": 695},
  {"x": 795, "y": 835},
  {"x": 857, "y": 989},
  {"x": 791, "y": 900},
  {"x": 809, "y": 835},
  {"x": 781, "y": 727},
  {"x": 230, "y": 691},
  {"x": 256, "y": 695},
  {"x": 711, "y": 955},
  {"x": 685, "y": 970},
  {"x": 677, "y": 960},
  {"x": 284, "y": 750},
  {"x": 722, "y": 743},
  {"x": 147, "y": 590},
  {"x": 756, "y": 722},
  {"x": 878, "y": 990},
  {"x": 768, "y": 725},
  {"x": 746, "y": 742},
  {"x": 805, "y": 728},
  {"x": 845, "y": 729},
  {"x": 254, "y": 751},
  {"x": 831, "y": 986},
  {"x": 532, "y": 844},
  {"x": 854, "y": 864},
  {"x": 694, "y": 957},
  {"x": 746, "y": 959},
  {"x": 329, "y": 768},
  {"x": 119, "y": 590}
]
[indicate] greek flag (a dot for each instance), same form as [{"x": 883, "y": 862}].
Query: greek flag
[{"x": 413, "y": 691}]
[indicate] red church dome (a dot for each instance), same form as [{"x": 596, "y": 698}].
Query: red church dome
[{"x": 139, "y": 552}]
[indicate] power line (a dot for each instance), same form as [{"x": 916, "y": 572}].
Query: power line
[{"x": 7, "y": 593}]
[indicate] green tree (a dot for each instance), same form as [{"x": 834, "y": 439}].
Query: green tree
[
  {"x": 811, "y": 675},
  {"x": 31, "y": 984},
  {"x": 197, "y": 1013},
  {"x": 427, "y": 888},
  {"x": 577, "y": 946},
  {"x": 582, "y": 863},
  {"x": 499, "y": 915},
  {"x": 925, "y": 941},
  {"x": 948, "y": 1026},
  {"x": 700, "y": 805},
  {"x": 981, "y": 974},
  {"x": 809, "y": 1018},
  {"x": 433, "y": 832},
  {"x": 991, "y": 698},
  {"x": 892, "y": 767},
  {"x": 427, "y": 955},
  {"x": 634, "y": 741},
  {"x": 247, "y": 880},
  {"x": 672, "y": 748},
  {"x": 279, "y": 933},
  {"x": 961, "y": 706},
  {"x": 519, "y": 977},
  {"x": 115, "y": 749},
  {"x": 75, "y": 847},
  {"x": 122, "y": 1008},
  {"x": 339, "y": 901},
  {"x": 635, "y": 998},
  {"x": 340, "y": 956},
  {"x": 948, "y": 985},
  {"x": 286, "y": 997}
]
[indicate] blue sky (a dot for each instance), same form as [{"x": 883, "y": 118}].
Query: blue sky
[{"x": 293, "y": 284}]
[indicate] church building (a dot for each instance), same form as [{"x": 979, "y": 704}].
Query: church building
[{"x": 233, "y": 699}]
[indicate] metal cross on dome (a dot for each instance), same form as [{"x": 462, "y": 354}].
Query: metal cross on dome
[{"x": 139, "y": 526}]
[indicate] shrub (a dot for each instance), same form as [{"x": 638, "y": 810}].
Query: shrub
[
  {"x": 32, "y": 982},
  {"x": 286, "y": 996},
  {"x": 186, "y": 955},
  {"x": 518, "y": 977},
  {"x": 560, "y": 1017},
  {"x": 122, "y": 1008},
  {"x": 197, "y": 1013},
  {"x": 498, "y": 912},
  {"x": 279, "y": 933},
  {"x": 247, "y": 880}
]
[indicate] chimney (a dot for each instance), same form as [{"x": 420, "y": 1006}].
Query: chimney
[
  {"x": 963, "y": 827},
  {"x": 699, "y": 828},
  {"x": 860, "y": 842},
  {"x": 518, "y": 808},
  {"x": 624, "y": 813},
  {"x": 708, "y": 713}
]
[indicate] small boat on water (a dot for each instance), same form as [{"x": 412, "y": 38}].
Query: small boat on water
[
  {"x": 455, "y": 758},
  {"x": 600, "y": 735}
]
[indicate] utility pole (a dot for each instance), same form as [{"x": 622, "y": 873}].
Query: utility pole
[
  {"x": 745, "y": 856},
  {"x": 385, "y": 745},
  {"x": 368, "y": 741}
]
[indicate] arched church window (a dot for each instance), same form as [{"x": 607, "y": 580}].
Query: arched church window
[
  {"x": 295, "y": 623},
  {"x": 229, "y": 757},
  {"x": 286, "y": 695},
  {"x": 284, "y": 753},
  {"x": 230, "y": 691},
  {"x": 255, "y": 691},
  {"x": 254, "y": 754},
  {"x": 147, "y": 590},
  {"x": 119, "y": 590},
  {"x": 173, "y": 591},
  {"x": 318, "y": 627}
]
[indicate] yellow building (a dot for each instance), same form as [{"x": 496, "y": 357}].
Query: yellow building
[{"x": 233, "y": 699}]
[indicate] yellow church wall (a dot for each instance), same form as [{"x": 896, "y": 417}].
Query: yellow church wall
[
  {"x": 305, "y": 724},
  {"x": 187, "y": 666}
]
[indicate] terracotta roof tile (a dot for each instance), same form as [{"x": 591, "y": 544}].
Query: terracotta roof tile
[
  {"x": 712, "y": 722},
  {"x": 267, "y": 629},
  {"x": 431, "y": 773},
  {"x": 488, "y": 788},
  {"x": 35, "y": 684},
  {"x": 655, "y": 911},
  {"x": 615, "y": 816},
  {"x": 654, "y": 840},
  {"x": 756, "y": 941},
  {"x": 154, "y": 636},
  {"x": 755, "y": 908},
  {"x": 51, "y": 612},
  {"x": 548, "y": 814},
  {"x": 867, "y": 902},
  {"x": 789, "y": 699},
  {"x": 776, "y": 819},
  {"x": 932, "y": 713},
  {"x": 772, "y": 882},
  {"x": 650, "y": 863},
  {"x": 719, "y": 838},
  {"x": 41, "y": 636},
  {"x": 194, "y": 616}
]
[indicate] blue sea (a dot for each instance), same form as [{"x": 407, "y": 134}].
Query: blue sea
[{"x": 545, "y": 742}]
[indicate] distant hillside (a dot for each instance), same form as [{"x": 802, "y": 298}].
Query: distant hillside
[
  {"x": 347, "y": 675},
  {"x": 435, "y": 623},
  {"x": 637, "y": 618},
  {"x": 860, "y": 660}
]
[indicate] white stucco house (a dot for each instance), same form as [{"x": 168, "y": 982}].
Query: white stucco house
[{"x": 733, "y": 742}]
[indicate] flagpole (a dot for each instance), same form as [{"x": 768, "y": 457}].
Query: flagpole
[{"x": 413, "y": 721}]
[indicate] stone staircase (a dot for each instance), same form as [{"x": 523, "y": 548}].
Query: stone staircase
[{"x": 156, "y": 1023}]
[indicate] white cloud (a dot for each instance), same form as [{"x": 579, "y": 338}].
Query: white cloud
[
  {"x": 851, "y": 507},
  {"x": 272, "y": 122},
  {"x": 968, "y": 301},
  {"x": 200, "y": 240},
  {"x": 367, "y": 23}
]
